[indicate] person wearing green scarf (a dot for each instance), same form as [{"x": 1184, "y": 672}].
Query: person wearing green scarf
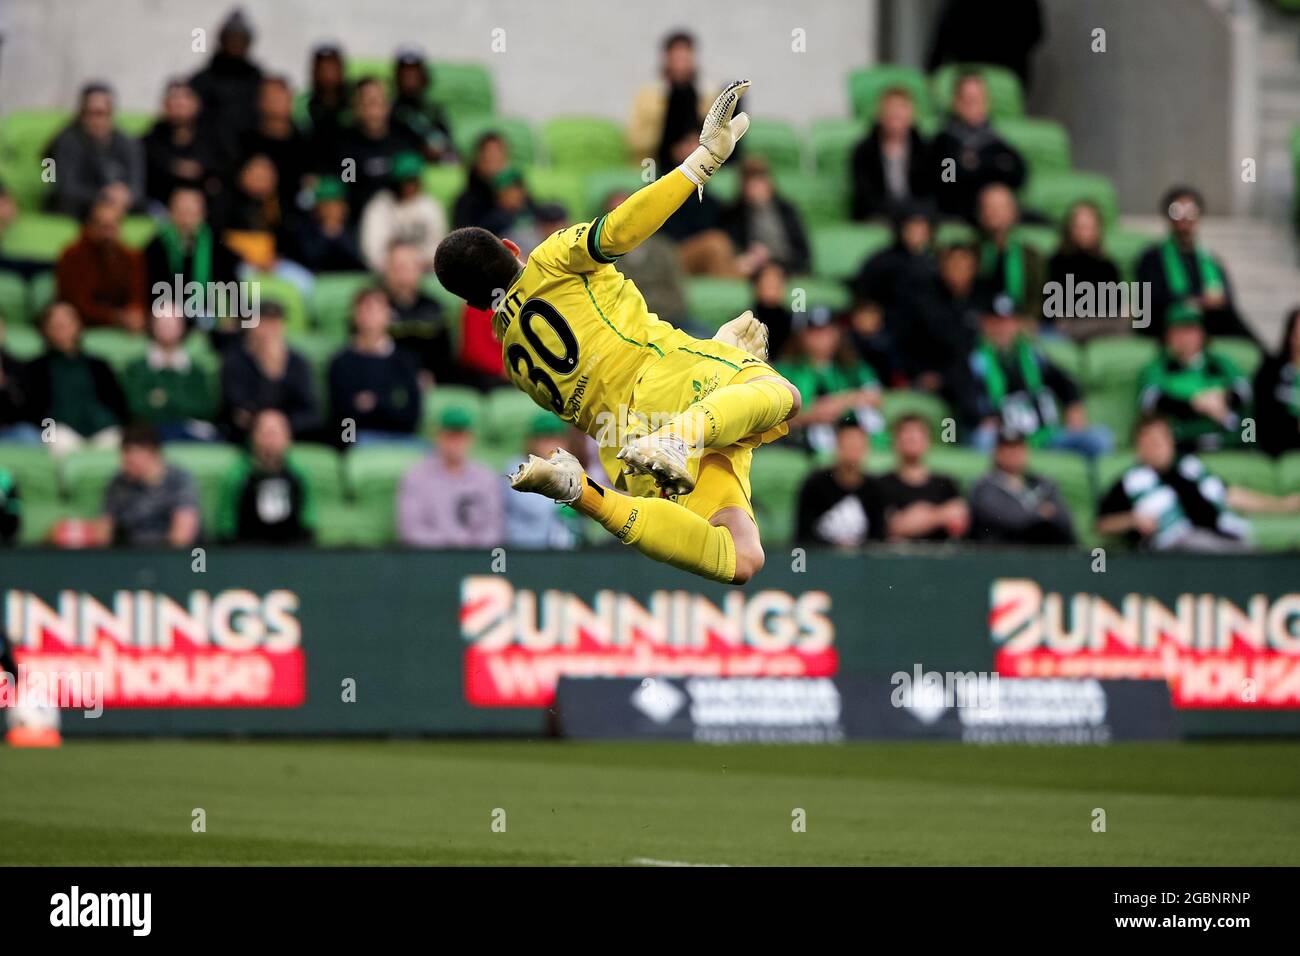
[
  {"x": 1181, "y": 272},
  {"x": 185, "y": 250},
  {"x": 1008, "y": 381},
  {"x": 1007, "y": 265},
  {"x": 1277, "y": 393}
]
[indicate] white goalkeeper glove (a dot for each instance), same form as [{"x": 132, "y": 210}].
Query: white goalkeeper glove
[
  {"x": 723, "y": 128},
  {"x": 746, "y": 333}
]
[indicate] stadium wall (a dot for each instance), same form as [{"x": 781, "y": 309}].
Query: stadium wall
[
  {"x": 339, "y": 642},
  {"x": 548, "y": 66}
]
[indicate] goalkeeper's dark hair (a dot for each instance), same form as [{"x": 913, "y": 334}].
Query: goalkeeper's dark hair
[{"x": 475, "y": 265}]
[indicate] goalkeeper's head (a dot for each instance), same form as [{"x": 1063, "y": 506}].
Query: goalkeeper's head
[{"x": 477, "y": 266}]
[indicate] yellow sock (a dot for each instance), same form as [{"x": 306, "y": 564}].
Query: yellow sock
[
  {"x": 734, "y": 412},
  {"x": 662, "y": 530}
]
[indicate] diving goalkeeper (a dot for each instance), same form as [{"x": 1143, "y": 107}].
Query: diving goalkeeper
[{"x": 677, "y": 418}]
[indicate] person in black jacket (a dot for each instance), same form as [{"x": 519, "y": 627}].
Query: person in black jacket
[
  {"x": 373, "y": 140},
  {"x": 892, "y": 167},
  {"x": 968, "y": 154},
  {"x": 763, "y": 224},
  {"x": 328, "y": 104},
  {"x": 412, "y": 106},
  {"x": 479, "y": 197},
  {"x": 374, "y": 384},
  {"x": 940, "y": 318},
  {"x": 177, "y": 150},
  {"x": 839, "y": 506},
  {"x": 265, "y": 499},
  {"x": 1277, "y": 393},
  {"x": 965, "y": 32},
  {"x": 263, "y": 372},
  {"x": 1080, "y": 259},
  {"x": 186, "y": 249},
  {"x": 885, "y": 281},
  {"x": 75, "y": 391},
  {"x": 14, "y": 424},
  {"x": 228, "y": 87},
  {"x": 1012, "y": 505}
]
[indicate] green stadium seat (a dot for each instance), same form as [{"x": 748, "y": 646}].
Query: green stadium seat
[
  {"x": 41, "y": 290},
  {"x": 1006, "y": 99},
  {"x": 584, "y": 142},
  {"x": 808, "y": 291},
  {"x": 290, "y": 298},
  {"x": 963, "y": 464},
  {"x": 23, "y": 342},
  {"x": 199, "y": 348},
  {"x": 134, "y": 124},
  {"x": 598, "y": 184},
  {"x": 1070, "y": 473},
  {"x": 115, "y": 346},
  {"x": 361, "y": 67},
  {"x": 13, "y": 299},
  {"x": 86, "y": 475},
  {"x": 1114, "y": 407},
  {"x": 1108, "y": 469},
  {"x": 1118, "y": 360},
  {"x": 712, "y": 301},
  {"x": 832, "y": 142},
  {"x": 462, "y": 87},
  {"x": 323, "y": 470},
  {"x": 518, "y": 136},
  {"x": 373, "y": 473},
  {"x": 1044, "y": 144},
  {"x": 898, "y": 402},
  {"x": 441, "y": 397},
  {"x": 137, "y": 231},
  {"x": 1275, "y": 532},
  {"x": 954, "y": 233},
  {"x": 444, "y": 183},
  {"x": 838, "y": 251},
  {"x": 1248, "y": 469},
  {"x": 318, "y": 348},
  {"x": 776, "y": 476},
  {"x": 725, "y": 185},
  {"x": 35, "y": 470},
  {"x": 1288, "y": 473},
  {"x": 1126, "y": 249},
  {"x": 1042, "y": 239},
  {"x": 867, "y": 85},
  {"x": 342, "y": 524},
  {"x": 1067, "y": 356},
  {"x": 819, "y": 201},
  {"x": 38, "y": 236},
  {"x": 777, "y": 142},
  {"x": 508, "y": 415},
  {"x": 564, "y": 186},
  {"x": 331, "y": 300},
  {"x": 207, "y": 464},
  {"x": 24, "y": 136},
  {"x": 1053, "y": 192},
  {"x": 1240, "y": 351}
]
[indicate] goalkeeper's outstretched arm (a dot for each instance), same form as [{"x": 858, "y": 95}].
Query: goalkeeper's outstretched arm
[{"x": 639, "y": 216}]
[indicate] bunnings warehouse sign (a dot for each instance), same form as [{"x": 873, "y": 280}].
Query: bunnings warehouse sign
[{"x": 280, "y": 641}]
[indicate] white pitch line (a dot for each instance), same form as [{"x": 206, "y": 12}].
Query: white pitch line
[{"x": 647, "y": 861}]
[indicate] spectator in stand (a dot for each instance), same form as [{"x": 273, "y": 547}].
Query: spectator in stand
[
  {"x": 480, "y": 363},
  {"x": 328, "y": 102},
  {"x": 1080, "y": 259},
  {"x": 475, "y": 203},
  {"x": 404, "y": 213},
  {"x": 839, "y": 506},
  {"x": 1007, "y": 265},
  {"x": 884, "y": 282},
  {"x": 372, "y": 142},
  {"x": 1011, "y": 505},
  {"x": 919, "y": 505},
  {"x": 186, "y": 250},
  {"x": 656, "y": 270},
  {"x": 277, "y": 138},
  {"x": 1277, "y": 393},
  {"x": 1007, "y": 380},
  {"x": 1182, "y": 272},
  {"x": 698, "y": 228},
  {"x": 892, "y": 167},
  {"x": 512, "y": 211},
  {"x": 252, "y": 222},
  {"x": 263, "y": 372},
  {"x": 418, "y": 323},
  {"x": 833, "y": 381},
  {"x": 166, "y": 388},
  {"x": 102, "y": 277},
  {"x": 772, "y": 308},
  {"x": 532, "y": 521},
  {"x": 372, "y": 383},
  {"x": 265, "y": 498},
  {"x": 448, "y": 501},
  {"x": 228, "y": 88},
  {"x": 15, "y": 424},
  {"x": 965, "y": 33},
  {"x": 941, "y": 319},
  {"x": 92, "y": 159},
  {"x": 77, "y": 392},
  {"x": 11, "y": 520},
  {"x": 149, "y": 503},
  {"x": 967, "y": 154},
  {"x": 763, "y": 224},
  {"x": 413, "y": 108},
  {"x": 178, "y": 149},
  {"x": 325, "y": 241},
  {"x": 664, "y": 112},
  {"x": 1169, "y": 501},
  {"x": 1201, "y": 394}
]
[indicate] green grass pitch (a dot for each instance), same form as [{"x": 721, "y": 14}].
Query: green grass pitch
[{"x": 425, "y": 802}]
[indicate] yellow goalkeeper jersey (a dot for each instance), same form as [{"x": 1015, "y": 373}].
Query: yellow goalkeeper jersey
[{"x": 575, "y": 333}]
